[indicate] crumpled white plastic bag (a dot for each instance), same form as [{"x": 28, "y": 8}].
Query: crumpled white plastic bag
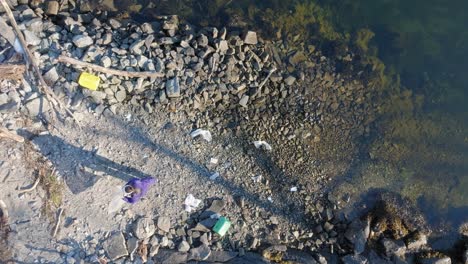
[
  {"x": 117, "y": 201},
  {"x": 205, "y": 134},
  {"x": 191, "y": 203},
  {"x": 261, "y": 143}
]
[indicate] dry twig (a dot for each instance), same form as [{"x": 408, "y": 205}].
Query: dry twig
[
  {"x": 57, "y": 224},
  {"x": 30, "y": 59},
  {"x": 32, "y": 187},
  {"x": 98, "y": 68},
  {"x": 7, "y": 134}
]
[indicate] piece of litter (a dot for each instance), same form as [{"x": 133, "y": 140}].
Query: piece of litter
[
  {"x": 215, "y": 216},
  {"x": 191, "y": 203},
  {"x": 257, "y": 178},
  {"x": 270, "y": 199},
  {"x": 206, "y": 135},
  {"x": 222, "y": 226},
  {"x": 260, "y": 143},
  {"x": 214, "y": 176},
  {"x": 18, "y": 47},
  {"x": 89, "y": 81},
  {"x": 293, "y": 189},
  {"x": 214, "y": 161}
]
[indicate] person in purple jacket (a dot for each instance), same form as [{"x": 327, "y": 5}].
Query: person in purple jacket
[{"x": 137, "y": 188}]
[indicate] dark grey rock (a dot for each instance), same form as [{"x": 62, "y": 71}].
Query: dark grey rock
[
  {"x": 298, "y": 256},
  {"x": 144, "y": 228},
  {"x": 354, "y": 259},
  {"x": 465, "y": 256},
  {"x": 250, "y": 38},
  {"x": 82, "y": 41},
  {"x": 416, "y": 240},
  {"x": 215, "y": 208},
  {"x": 51, "y": 76},
  {"x": 393, "y": 247},
  {"x": 164, "y": 223},
  {"x": 357, "y": 233},
  {"x": 250, "y": 258},
  {"x": 200, "y": 253},
  {"x": 172, "y": 88},
  {"x": 132, "y": 245},
  {"x": 221, "y": 256},
  {"x": 183, "y": 246},
  {"x": 115, "y": 246},
  {"x": 135, "y": 48},
  {"x": 166, "y": 256},
  {"x": 52, "y": 8}
]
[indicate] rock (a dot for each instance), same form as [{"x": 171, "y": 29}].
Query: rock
[
  {"x": 114, "y": 23},
  {"x": 200, "y": 253},
  {"x": 465, "y": 256},
  {"x": 115, "y": 246},
  {"x": 298, "y": 57},
  {"x": 223, "y": 46},
  {"x": 354, "y": 259},
  {"x": 393, "y": 247},
  {"x": 164, "y": 223},
  {"x": 215, "y": 208},
  {"x": 221, "y": 256},
  {"x": 82, "y": 41},
  {"x": 135, "y": 48},
  {"x": 52, "y": 8},
  {"x": 357, "y": 233},
  {"x": 144, "y": 228},
  {"x": 373, "y": 257},
  {"x": 435, "y": 260},
  {"x": 120, "y": 95},
  {"x": 132, "y": 245},
  {"x": 416, "y": 240},
  {"x": 31, "y": 38},
  {"x": 290, "y": 80},
  {"x": 166, "y": 256},
  {"x": 37, "y": 106},
  {"x": 106, "y": 62},
  {"x": 243, "y": 102},
  {"x": 51, "y": 76},
  {"x": 274, "y": 253},
  {"x": 250, "y": 38},
  {"x": 7, "y": 32},
  {"x": 172, "y": 87},
  {"x": 202, "y": 41},
  {"x": 183, "y": 246},
  {"x": 250, "y": 258}
]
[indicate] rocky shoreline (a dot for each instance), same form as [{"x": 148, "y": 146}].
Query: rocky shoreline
[{"x": 236, "y": 85}]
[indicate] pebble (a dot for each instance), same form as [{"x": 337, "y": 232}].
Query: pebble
[
  {"x": 164, "y": 223},
  {"x": 243, "y": 102},
  {"x": 144, "y": 228},
  {"x": 82, "y": 41},
  {"x": 250, "y": 38},
  {"x": 115, "y": 247},
  {"x": 52, "y": 8},
  {"x": 172, "y": 87},
  {"x": 51, "y": 76},
  {"x": 200, "y": 253},
  {"x": 290, "y": 80},
  {"x": 183, "y": 246},
  {"x": 31, "y": 38}
]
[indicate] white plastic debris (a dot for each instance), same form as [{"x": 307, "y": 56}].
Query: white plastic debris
[
  {"x": 117, "y": 201},
  {"x": 205, "y": 134},
  {"x": 214, "y": 176},
  {"x": 260, "y": 143},
  {"x": 270, "y": 199},
  {"x": 18, "y": 47},
  {"x": 293, "y": 189},
  {"x": 215, "y": 216},
  {"x": 191, "y": 203},
  {"x": 214, "y": 161},
  {"x": 257, "y": 178}
]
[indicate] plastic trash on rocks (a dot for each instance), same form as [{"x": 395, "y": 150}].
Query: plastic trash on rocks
[
  {"x": 205, "y": 134},
  {"x": 214, "y": 176},
  {"x": 262, "y": 144},
  {"x": 293, "y": 189},
  {"x": 18, "y": 47},
  {"x": 222, "y": 226},
  {"x": 89, "y": 81},
  {"x": 191, "y": 203}
]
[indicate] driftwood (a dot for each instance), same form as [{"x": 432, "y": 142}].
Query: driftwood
[
  {"x": 12, "y": 71},
  {"x": 57, "y": 224},
  {"x": 7, "y": 134},
  {"x": 65, "y": 59},
  {"x": 31, "y": 59}
]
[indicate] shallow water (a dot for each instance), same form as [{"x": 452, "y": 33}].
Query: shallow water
[{"x": 419, "y": 146}]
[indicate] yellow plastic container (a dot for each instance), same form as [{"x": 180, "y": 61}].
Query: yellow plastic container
[{"x": 89, "y": 81}]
